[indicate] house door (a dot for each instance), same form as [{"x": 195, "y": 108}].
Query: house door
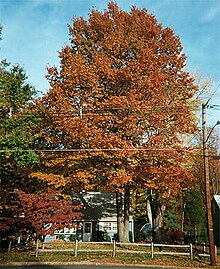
[{"x": 87, "y": 231}]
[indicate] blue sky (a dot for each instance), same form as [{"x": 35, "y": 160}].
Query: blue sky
[{"x": 35, "y": 30}]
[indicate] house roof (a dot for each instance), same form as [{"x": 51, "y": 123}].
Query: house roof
[
  {"x": 217, "y": 199},
  {"x": 96, "y": 205}
]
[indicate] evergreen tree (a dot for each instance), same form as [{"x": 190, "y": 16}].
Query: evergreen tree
[{"x": 16, "y": 128}]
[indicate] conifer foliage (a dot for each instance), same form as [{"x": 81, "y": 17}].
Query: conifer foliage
[{"x": 17, "y": 123}]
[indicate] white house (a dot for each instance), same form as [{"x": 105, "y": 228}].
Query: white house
[{"x": 99, "y": 217}]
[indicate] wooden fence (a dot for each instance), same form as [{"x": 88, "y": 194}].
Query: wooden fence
[
  {"x": 115, "y": 247},
  {"x": 202, "y": 250}
]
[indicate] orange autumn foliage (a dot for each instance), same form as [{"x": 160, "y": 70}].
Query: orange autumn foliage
[{"x": 119, "y": 102}]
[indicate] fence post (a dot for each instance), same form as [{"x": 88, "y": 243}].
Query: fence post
[
  {"x": 114, "y": 248},
  {"x": 37, "y": 248},
  {"x": 76, "y": 248},
  {"x": 19, "y": 242},
  {"x": 216, "y": 252},
  {"x": 9, "y": 245},
  {"x": 191, "y": 251},
  {"x": 152, "y": 250},
  {"x": 204, "y": 248}
]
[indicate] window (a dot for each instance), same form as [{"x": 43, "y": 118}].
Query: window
[
  {"x": 107, "y": 226},
  {"x": 114, "y": 226},
  {"x": 110, "y": 226},
  {"x": 87, "y": 227}
]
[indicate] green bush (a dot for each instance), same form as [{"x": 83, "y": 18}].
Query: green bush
[
  {"x": 62, "y": 236},
  {"x": 72, "y": 237},
  {"x": 106, "y": 237}
]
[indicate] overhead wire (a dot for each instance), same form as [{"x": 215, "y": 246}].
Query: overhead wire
[
  {"x": 162, "y": 107},
  {"x": 109, "y": 109},
  {"x": 102, "y": 149},
  {"x": 212, "y": 95}
]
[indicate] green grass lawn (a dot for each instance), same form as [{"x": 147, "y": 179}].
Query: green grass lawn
[{"x": 103, "y": 258}]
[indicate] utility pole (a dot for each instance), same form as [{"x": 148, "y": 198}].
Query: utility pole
[{"x": 207, "y": 187}]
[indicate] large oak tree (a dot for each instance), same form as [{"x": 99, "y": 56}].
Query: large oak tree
[{"x": 117, "y": 108}]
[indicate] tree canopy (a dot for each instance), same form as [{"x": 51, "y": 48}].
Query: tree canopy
[
  {"x": 30, "y": 214},
  {"x": 119, "y": 104},
  {"x": 16, "y": 127}
]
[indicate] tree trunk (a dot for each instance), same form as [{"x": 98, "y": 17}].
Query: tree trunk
[
  {"x": 155, "y": 213},
  {"x": 119, "y": 204},
  {"x": 126, "y": 215},
  {"x": 123, "y": 205},
  {"x": 149, "y": 212},
  {"x": 158, "y": 223}
]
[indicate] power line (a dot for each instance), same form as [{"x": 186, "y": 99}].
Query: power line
[
  {"x": 212, "y": 95},
  {"x": 132, "y": 111},
  {"x": 104, "y": 149},
  {"x": 148, "y": 108}
]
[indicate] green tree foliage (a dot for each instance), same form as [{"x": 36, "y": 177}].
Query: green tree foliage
[
  {"x": 172, "y": 222},
  {"x": 171, "y": 219},
  {"x": 16, "y": 126},
  {"x": 195, "y": 219}
]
